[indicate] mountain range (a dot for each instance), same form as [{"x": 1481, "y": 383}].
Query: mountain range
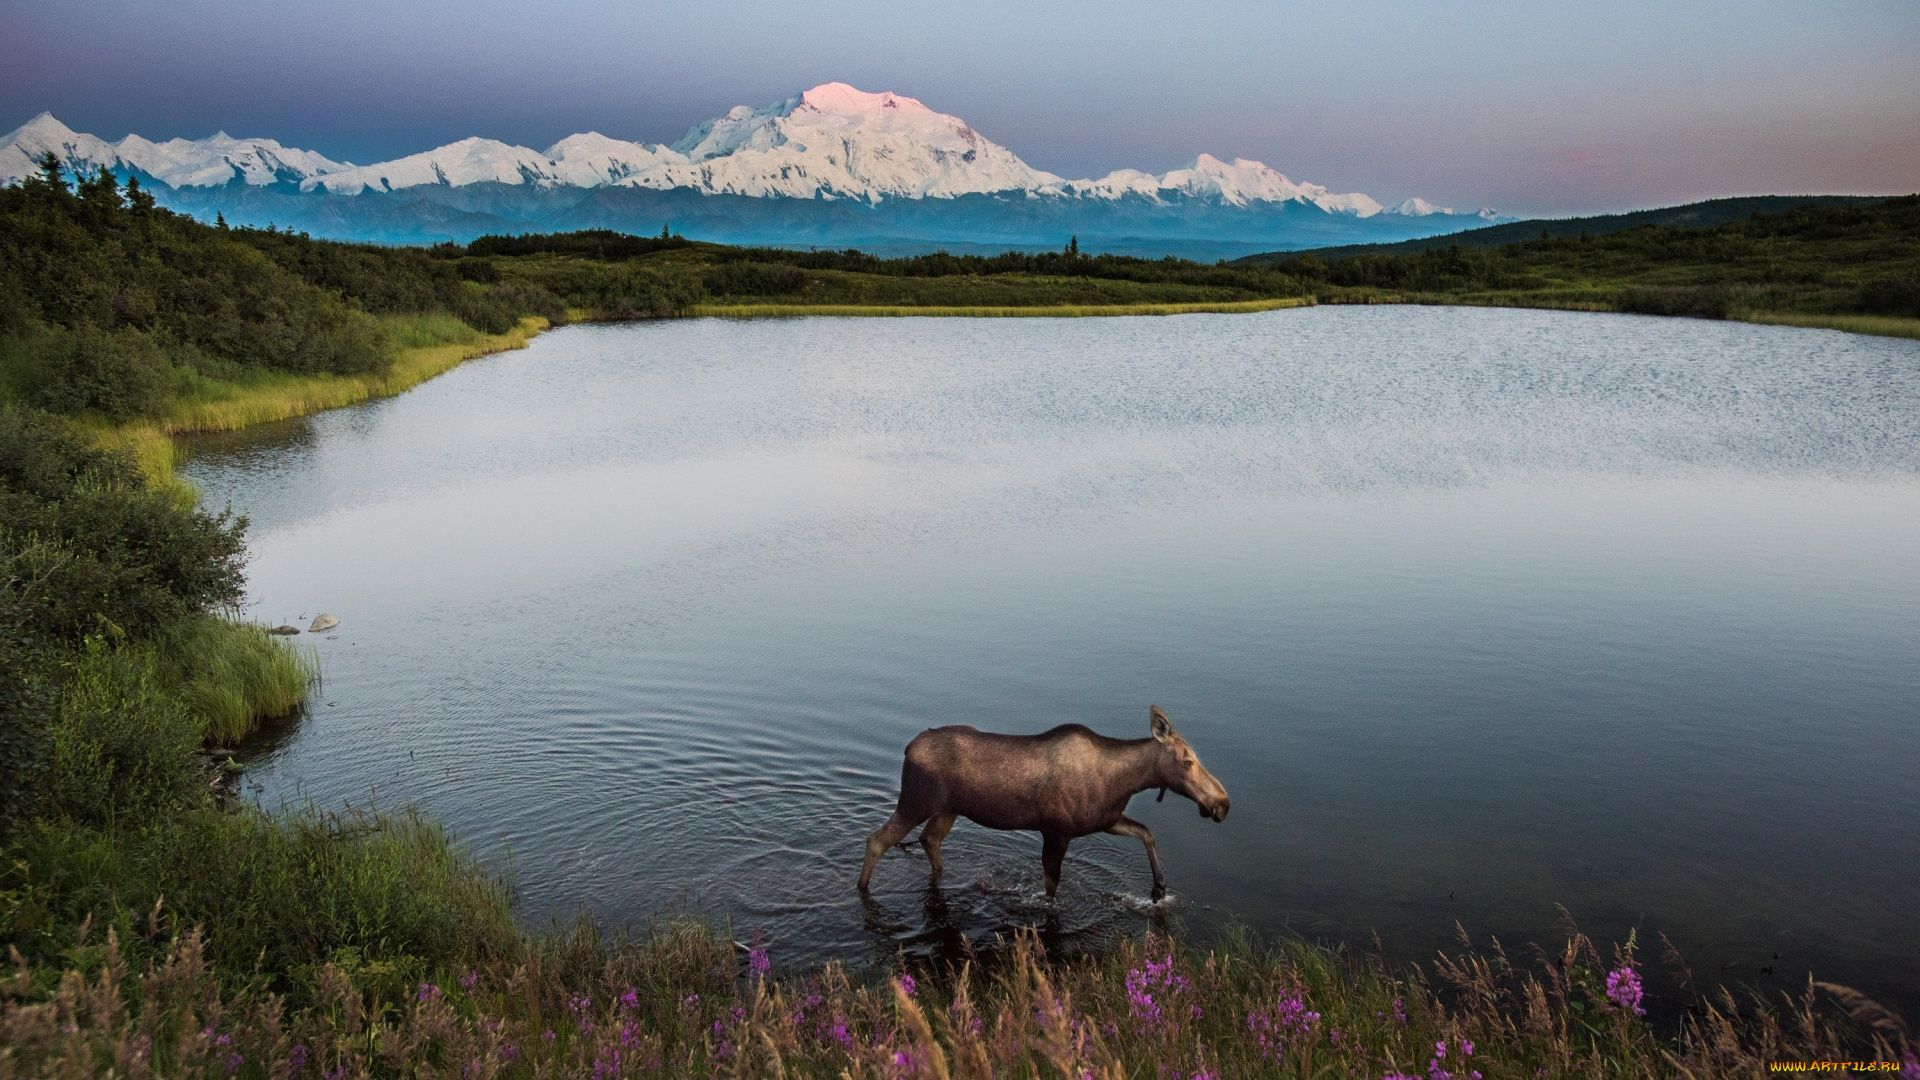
[{"x": 833, "y": 166}]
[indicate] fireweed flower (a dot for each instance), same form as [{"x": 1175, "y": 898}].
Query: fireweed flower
[
  {"x": 758, "y": 962},
  {"x": 1623, "y": 989},
  {"x": 297, "y": 1057},
  {"x": 907, "y": 985},
  {"x": 1290, "y": 1024},
  {"x": 428, "y": 992},
  {"x": 1150, "y": 990},
  {"x": 470, "y": 979}
]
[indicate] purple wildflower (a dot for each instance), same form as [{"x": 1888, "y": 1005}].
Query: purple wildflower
[
  {"x": 1290, "y": 1024},
  {"x": 234, "y": 1062},
  {"x": 297, "y": 1057},
  {"x": 758, "y": 962},
  {"x": 629, "y": 1000},
  {"x": 470, "y": 979},
  {"x": 907, "y": 985},
  {"x": 1152, "y": 987},
  {"x": 1623, "y": 989},
  {"x": 508, "y": 1052},
  {"x": 690, "y": 1003},
  {"x": 428, "y": 992}
]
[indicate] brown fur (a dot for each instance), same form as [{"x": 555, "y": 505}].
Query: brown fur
[{"x": 1068, "y": 782}]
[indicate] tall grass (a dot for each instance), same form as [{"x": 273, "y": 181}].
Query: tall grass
[
  {"x": 678, "y": 1003},
  {"x": 231, "y": 676},
  {"x": 1048, "y": 311},
  {"x": 385, "y": 898}
]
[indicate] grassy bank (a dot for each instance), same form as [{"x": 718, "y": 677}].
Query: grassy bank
[
  {"x": 682, "y": 1002},
  {"x": 1052, "y": 311},
  {"x": 426, "y": 346}
]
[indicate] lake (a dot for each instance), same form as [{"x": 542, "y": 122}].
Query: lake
[{"x": 1475, "y": 612}]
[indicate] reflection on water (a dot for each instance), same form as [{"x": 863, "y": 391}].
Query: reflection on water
[{"x": 1473, "y": 612}]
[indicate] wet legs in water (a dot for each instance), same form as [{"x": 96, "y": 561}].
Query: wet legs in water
[
  {"x": 1129, "y": 827},
  {"x": 1053, "y": 851},
  {"x": 895, "y": 830},
  {"x": 930, "y": 838}
]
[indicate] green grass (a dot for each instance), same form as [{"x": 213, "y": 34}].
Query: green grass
[
  {"x": 1039, "y": 311},
  {"x": 232, "y": 676}
]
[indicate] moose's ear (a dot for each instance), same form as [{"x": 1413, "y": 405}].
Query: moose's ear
[{"x": 1162, "y": 727}]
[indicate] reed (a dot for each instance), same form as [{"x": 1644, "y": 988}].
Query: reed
[
  {"x": 1050, "y": 311},
  {"x": 680, "y": 1003}
]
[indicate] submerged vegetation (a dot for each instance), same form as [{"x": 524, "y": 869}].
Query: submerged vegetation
[{"x": 153, "y": 926}]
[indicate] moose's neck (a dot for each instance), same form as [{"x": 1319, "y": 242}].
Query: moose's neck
[{"x": 1148, "y": 766}]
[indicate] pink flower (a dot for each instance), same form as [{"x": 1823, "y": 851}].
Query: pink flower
[{"x": 1623, "y": 989}]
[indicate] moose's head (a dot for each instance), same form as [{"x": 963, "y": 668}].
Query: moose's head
[{"x": 1180, "y": 769}]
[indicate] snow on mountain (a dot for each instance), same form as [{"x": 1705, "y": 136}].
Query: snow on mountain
[
  {"x": 836, "y": 141},
  {"x": 592, "y": 159},
  {"x": 210, "y": 162},
  {"x": 831, "y": 142},
  {"x": 1237, "y": 184},
  {"x": 469, "y": 161}
]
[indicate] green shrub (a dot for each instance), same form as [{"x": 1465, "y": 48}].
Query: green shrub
[
  {"x": 93, "y": 547},
  {"x": 480, "y": 270},
  {"x": 26, "y": 709},
  {"x": 1892, "y": 295},
  {"x": 121, "y": 373},
  {"x": 754, "y": 279}
]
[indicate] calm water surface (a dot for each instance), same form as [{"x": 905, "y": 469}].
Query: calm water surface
[{"x": 1475, "y": 612}]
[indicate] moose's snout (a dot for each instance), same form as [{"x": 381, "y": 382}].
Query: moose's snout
[{"x": 1217, "y": 812}]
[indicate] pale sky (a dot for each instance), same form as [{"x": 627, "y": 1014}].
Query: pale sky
[{"x": 1529, "y": 107}]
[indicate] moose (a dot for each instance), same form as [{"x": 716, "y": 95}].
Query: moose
[{"x": 1067, "y": 782}]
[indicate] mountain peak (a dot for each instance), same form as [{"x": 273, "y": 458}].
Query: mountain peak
[{"x": 838, "y": 97}]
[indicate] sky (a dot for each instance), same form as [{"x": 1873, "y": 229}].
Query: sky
[{"x": 1527, "y": 106}]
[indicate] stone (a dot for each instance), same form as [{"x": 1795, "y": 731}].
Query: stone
[
  {"x": 323, "y": 621},
  {"x": 284, "y": 630}
]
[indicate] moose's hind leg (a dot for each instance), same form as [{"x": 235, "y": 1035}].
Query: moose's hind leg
[
  {"x": 896, "y": 828},
  {"x": 931, "y": 837}
]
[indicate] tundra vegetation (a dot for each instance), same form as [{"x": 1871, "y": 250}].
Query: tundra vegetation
[{"x": 151, "y": 925}]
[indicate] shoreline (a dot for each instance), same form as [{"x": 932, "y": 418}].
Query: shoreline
[
  {"x": 289, "y": 397},
  {"x": 1051, "y": 311}
]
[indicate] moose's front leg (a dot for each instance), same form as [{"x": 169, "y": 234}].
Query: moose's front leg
[
  {"x": 1053, "y": 852},
  {"x": 1126, "y": 826}
]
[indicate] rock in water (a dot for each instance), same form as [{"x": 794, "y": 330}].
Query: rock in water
[
  {"x": 284, "y": 630},
  {"x": 321, "y": 622}
]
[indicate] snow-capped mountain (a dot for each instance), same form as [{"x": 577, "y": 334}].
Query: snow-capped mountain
[
  {"x": 210, "y": 162},
  {"x": 892, "y": 168}
]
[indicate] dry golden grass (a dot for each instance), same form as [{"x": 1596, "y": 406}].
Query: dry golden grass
[{"x": 1878, "y": 325}]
